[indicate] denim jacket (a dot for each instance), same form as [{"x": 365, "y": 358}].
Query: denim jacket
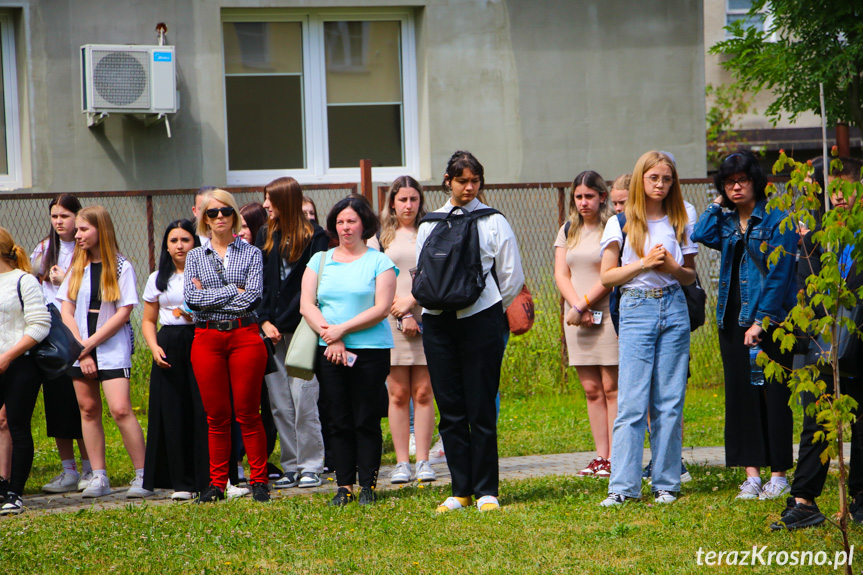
[{"x": 771, "y": 295}]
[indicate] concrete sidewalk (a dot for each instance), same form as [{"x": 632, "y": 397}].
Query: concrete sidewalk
[{"x": 510, "y": 468}]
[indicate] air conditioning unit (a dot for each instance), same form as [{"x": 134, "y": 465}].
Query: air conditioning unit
[{"x": 128, "y": 80}]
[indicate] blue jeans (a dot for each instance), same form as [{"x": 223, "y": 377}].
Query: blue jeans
[{"x": 654, "y": 353}]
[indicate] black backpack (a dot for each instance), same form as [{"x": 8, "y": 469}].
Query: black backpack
[
  {"x": 696, "y": 298},
  {"x": 449, "y": 268}
]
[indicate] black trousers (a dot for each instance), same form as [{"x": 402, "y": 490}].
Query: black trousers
[
  {"x": 19, "y": 389},
  {"x": 177, "y": 455},
  {"x": 759, "y": 425},
  {"x": 810, "y": 475},
  {"x": 354, "y": 405},
  {"x": 464, "y": 358},
  {"x": 62, "y": 416}
]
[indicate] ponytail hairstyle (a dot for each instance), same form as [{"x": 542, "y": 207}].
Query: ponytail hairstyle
[
  {"x": 389, "y": 222},
  {"x": 51, "y": 252},
  {"x": 636, "y": 211},
  {"x": 594, "y": 181},
  {"x": 12, "y": 253},
  {"x": 286, "y": 198},
  {"x": 457, "y": 164},
  {"x": 98, "y": 217},
  {"x": 166, "y": 264}
]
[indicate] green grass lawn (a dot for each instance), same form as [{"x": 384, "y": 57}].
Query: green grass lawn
[{"x": 547, "y": 525}]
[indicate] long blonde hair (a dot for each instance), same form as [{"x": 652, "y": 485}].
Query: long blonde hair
[
  {"x": 286, "y": 197},
  {"x": 636, "y": 215},
  {"x": 12, "y": 252},
  {"x": 389, "y": 222},
  {"x": 98, "y": 217},
  {"x": 594, "y": 181}
]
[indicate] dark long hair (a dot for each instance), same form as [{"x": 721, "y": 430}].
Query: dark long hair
[
  {"x": 286, "y": 198},
  {"x": 255, "y": 216},
  {"x": 166, "y": 264},
  {"x": 51, "y": 253}
]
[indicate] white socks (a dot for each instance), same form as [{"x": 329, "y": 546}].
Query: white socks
[
  {"x": 85, "y": 466},
  {"x": 69, "y": 466}
]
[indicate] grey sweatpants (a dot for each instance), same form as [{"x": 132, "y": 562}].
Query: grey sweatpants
[{"x": 294, "y": 403}]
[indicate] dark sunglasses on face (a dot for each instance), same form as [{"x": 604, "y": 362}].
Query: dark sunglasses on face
[{"x": 227, "y": 211}]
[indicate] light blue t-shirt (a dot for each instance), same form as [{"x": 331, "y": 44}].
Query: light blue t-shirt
[{"x": 347, "y": 289}]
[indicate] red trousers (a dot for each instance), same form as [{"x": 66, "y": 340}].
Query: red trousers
[{"x": 232, "y": 364}]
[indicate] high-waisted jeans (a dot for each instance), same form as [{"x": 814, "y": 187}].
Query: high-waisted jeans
[{"x": 654, "y": 354}]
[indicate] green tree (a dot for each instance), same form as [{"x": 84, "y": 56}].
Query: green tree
[
  {"x": 727, "y": 101},
  {"x": 817, "y": 312},
  {"x": 805, "y": 43}
]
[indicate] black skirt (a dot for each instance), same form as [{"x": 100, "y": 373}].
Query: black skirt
[
  {"x": 177, "y": 454},
  {"x": 759, "y": 425}
]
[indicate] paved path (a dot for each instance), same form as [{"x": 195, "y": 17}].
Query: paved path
[{"x": 510, "y": 468}]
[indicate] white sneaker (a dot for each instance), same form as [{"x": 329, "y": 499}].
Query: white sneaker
[
  {"x": 13, "y": 505},
  {"x": 84, "y": 480},
  {"x": 436, "y": 451},
  {"x": 234, "y": 492},
  {"x": 412, "y": 445},
  {"x": 136, "y": 489},
  {"x": 774, "y": 490},
  {"x": 402, "y": 473},
  {"x": 63, "y": 483},
  {"x": 749, "y": 489},
  {"x": 425, "y": 471},
  {"x": 663, "y": 496},
  {"x": 182, "y": 495},
  {"x": 99, "y": 486}
]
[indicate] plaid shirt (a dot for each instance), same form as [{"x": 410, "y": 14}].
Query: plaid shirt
[{"x": 220, "y": 300}]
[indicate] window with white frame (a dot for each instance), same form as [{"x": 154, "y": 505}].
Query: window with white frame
[
  {"x": 736, "y": 10},
  {"x": 10, "y": 142},
  {"x": 311, "y": 94}
]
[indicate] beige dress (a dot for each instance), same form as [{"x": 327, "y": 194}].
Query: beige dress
[
  {"x": 595, "y": 345},
  {"x": 403, "y": 252}
]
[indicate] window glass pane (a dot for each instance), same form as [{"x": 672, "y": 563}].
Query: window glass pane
[
  {"x": 748, "y": 22},
  {"x": 4, "y": 161},
  {"x": 265, "y": 122},
  {"x": 735, "y": 5},
  {"x": 263, "y": 48},
  {"x": 364, "y": 93},
  {"x": 264, "y": 95}
]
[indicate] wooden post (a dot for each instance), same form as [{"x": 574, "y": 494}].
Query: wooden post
[
  {"x": 366, "y": 180},
  {"x": 151, "y": 241},
  {"x": 843, "y": 139},
  {"x": 561, "y": 218}
]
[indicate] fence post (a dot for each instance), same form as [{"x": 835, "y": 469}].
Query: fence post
[
  {"x": 366, "y": 180},
  {"x": 564, "y": 359},
  {"x": 151, "y": 242}
]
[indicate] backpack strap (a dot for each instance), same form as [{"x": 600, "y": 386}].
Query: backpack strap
[{"x": 441, "y": 216}]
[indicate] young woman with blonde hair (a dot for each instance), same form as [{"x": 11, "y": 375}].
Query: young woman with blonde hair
[
  {"x": 656, "y": 257},
  {"x": 26, "y": 322},
  {"x": 98, "y": 295},
  {"x": 409, "y": 376},
  {"x": 591, "y": 341}
]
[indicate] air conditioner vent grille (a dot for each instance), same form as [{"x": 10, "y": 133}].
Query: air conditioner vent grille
[{"x": 120, "y": 79}]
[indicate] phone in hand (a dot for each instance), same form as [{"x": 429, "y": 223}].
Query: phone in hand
[
  {"x": 350, "y": 358},
  {"x": 597, "y": 316}
]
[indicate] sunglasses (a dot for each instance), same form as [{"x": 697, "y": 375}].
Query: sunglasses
[{"x": 227, "y": 211}]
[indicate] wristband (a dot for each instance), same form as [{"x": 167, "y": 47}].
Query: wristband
[
  {"x": 642, "y": 264},
  {"x": 587, "y": 300},
  {"x": 407, "y": 315},
  {"x": 575, "y": 307}
]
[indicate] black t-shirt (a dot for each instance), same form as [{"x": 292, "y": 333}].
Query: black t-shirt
[{"x": 95, "y": 285}]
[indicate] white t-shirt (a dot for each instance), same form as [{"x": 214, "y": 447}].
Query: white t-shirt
[
  {"x": 168, "y": 300},
  {"x": 658, "y": 232},
  {"x": 64, "y": 262}
]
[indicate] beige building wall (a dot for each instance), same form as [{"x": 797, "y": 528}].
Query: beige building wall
[{"x": 538, "y": 89}]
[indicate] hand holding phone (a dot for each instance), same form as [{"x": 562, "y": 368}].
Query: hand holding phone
[{"x": 350, "y": 358}]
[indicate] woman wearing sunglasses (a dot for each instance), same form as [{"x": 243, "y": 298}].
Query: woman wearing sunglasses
[{"x": 222, "y": 285}]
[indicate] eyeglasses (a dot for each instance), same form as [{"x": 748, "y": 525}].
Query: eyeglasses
[
  {"x": 227, "y": 211},
  {"x": 655, "y": 179},
  {"x": 744, "y": 181}
]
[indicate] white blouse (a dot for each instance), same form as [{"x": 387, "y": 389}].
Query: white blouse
[
  {"x": 169, "y": 300},
  {"x": 116, "y": 351},
  {"x": 64, "y": 262}
]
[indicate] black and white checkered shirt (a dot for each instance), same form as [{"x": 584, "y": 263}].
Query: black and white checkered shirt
[{"x": 219, "y": 300}]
